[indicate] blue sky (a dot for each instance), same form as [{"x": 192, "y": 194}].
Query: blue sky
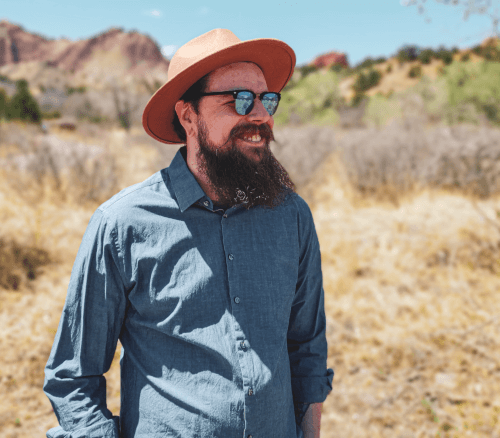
[{"x": 359, "y": 28}]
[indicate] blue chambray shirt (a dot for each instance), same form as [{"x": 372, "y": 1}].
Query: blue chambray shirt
[{"x": 220, "y": 315}]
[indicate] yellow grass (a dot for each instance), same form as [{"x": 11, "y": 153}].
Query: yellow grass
[{"x": 410, "y": 298}]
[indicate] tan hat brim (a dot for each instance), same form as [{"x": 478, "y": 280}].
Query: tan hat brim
[{"x": 275, "y": 58}]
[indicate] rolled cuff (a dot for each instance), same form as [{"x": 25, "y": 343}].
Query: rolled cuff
[
  {"x": 107, "y": 429},
  {"x": 312, "y": 389}
]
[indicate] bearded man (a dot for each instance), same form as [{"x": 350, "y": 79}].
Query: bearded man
[{"x": 209, "y": 272}]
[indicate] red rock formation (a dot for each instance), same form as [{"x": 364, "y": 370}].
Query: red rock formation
[
  {"x": 17, "y": 46},
  {"x": 330, "y": 58}
]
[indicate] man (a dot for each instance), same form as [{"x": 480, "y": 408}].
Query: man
[{"x": 209, "y": 272}]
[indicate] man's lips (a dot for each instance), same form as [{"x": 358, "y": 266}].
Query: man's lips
[{"x": 253, "y": 143}]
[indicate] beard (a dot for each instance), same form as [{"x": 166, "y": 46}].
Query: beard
[{"x": 238, "y": 179}]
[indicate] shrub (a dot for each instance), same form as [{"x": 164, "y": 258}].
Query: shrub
[
  {"x": 489, "y": 53},
  {"x": 369, "y": 62},
  {"x": 3, "y": 103},
  {"x": 425, "y": 56},
  {"x": 71, "y": 90},
  {"x": 314, "y": 96},
  {"x": 365, "y": 82},
  {"x": 51, "y": 115},
  {"x": 20, "y": 264},
  {"x": 407, "y": 53},
  {"x": 389, "y": 68},
  {"x": 307, "y": 70},
  {"x": 415, "y": 71},
  {"x": 337, "y": 68},
  {"x": 465, "y": 57},
  {"x": 445, "y": 55},
  {"x": 357, "y": 99},
  {"x": 23, "y": 105}
]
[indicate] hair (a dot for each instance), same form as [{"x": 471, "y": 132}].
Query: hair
[{"x": 192, "y": 96}]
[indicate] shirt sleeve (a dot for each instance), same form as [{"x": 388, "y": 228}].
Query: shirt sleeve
[
  {"x": 86, "y": 338},
  {"x": 306, "y": 340}
]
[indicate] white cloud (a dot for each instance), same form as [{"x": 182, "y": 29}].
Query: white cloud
[
  {"x": 153, "y": 13},
  {"x": 203, "y": 11},
  {"x": 168, "y": 51}
]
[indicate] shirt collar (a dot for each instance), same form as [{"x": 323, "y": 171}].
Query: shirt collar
[{"x": 186, "y": 188}]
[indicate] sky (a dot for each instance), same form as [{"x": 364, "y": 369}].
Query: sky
[{"x": 358, "y": 28}]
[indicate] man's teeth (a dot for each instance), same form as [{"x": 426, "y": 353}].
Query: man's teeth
[{"x": 254, "y": 138}]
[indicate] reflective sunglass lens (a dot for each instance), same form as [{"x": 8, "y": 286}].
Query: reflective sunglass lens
[
  {"x": 270, "y": 102},
  {"x": 244, "y": 103}
]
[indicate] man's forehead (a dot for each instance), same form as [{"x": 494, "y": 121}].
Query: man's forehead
[{"x": 236, "y": 72}]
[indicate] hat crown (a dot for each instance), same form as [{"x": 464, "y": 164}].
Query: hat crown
[{"x": 199, "y": 48}]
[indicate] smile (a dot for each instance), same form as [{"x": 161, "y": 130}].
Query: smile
[{"x": 253, "y": 138}]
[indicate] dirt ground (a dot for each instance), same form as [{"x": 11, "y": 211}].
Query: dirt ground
[{"x": 410, "y": 299}]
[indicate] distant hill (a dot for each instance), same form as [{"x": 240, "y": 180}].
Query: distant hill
[{"x": 114, "y": 55}]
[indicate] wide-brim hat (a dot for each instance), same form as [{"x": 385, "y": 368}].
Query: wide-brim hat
[{"x": 203, "y": 55}]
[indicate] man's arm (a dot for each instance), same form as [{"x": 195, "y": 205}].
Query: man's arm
[
  {"x": 86, "y": 339},
  {"x": 312, "y": 421}
]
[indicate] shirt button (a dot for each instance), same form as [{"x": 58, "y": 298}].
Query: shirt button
[
  {"x": 236, "y": 300},
  {"x": 250, "y": 391},
  {"x": 206, "y": 203},
  {"x": 242, "y": 343},
  {"x": 231, "y": 257}
]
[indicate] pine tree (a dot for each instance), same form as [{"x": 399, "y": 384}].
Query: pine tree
[
  {"x": 3, "y": 103},
  {"x": 23, "y": 105}
]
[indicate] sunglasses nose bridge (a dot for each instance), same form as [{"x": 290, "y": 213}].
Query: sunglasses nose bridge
[{"x": 252, "y": 106}]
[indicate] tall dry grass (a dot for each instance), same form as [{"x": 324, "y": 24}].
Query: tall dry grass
[{"x": 407, "y": 221}]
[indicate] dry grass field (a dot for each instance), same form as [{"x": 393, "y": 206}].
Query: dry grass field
[{"x": 408, "y": 218}]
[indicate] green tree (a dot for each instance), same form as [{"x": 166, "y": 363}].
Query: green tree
[
  {"x": 3, "y": 103},
  {"x": 23, "y": 105},
  {"x": 425, "y": 56},
  {"x": 364, "y": 82}
]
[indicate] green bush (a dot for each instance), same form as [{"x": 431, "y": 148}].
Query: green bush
[
  {"x": 415, "y": 71},
  {"x": 445, "y": 55},
  {"x": 465, "y": 57},
  {"x": 407, "y": 54},
  {"x": 425, "y": 56},
  {"x": 337, "y": 68},
  {"x": 23, "y": 105},
  {"x": 51, "y": 115},
  {"x": 389, "y": 68},
  {"x": 314, "y": 97},
  {"x": 307, "y": 70},
  {"x": 365, "y": 82},
  {"x": 71, "y": 90},
  {"x": 490, "y": 53},
  {"x": 369, "y": 62},
  {"x": 3, "y": 103},
  {"x": 475, "y": 84},
  {"x": 357, "y": 99}
]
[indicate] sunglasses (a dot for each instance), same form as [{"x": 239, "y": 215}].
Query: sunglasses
[{"x": 245, "y": 100}]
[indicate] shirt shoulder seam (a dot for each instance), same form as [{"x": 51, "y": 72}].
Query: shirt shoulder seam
[{"x": 104, "y": 207}]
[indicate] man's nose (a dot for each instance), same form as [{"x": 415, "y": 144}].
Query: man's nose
[{"x": 259, "y": 112}]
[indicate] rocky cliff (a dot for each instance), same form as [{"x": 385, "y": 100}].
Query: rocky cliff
[
  {"x": 330, "y": 58},
  {"x": 129, "y": 57}
]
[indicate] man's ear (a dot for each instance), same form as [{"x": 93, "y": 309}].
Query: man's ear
[{"x": 185, "y": 113}]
